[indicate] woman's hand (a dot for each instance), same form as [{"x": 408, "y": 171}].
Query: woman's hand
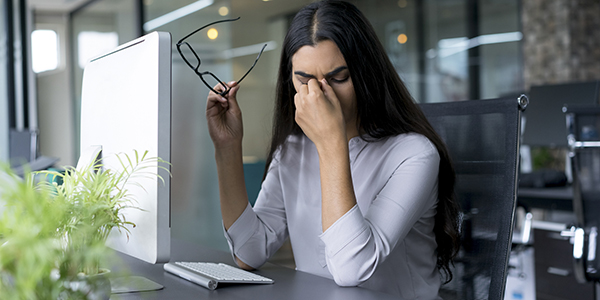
[
  {"x": 319, "y": 113},
  {"x": 224, "y": 117}
]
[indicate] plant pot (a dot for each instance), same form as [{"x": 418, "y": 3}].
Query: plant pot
[{"x": 90, "y": 287}]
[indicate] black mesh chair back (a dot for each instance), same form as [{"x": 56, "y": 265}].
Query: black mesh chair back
[
  {"x": 482, "y": 137},
  {"x": 583, "y": 136}
]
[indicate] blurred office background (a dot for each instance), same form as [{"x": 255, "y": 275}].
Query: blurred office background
[{"x": 445, "y": 50}]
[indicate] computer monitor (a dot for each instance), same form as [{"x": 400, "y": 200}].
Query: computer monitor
[
  {"x": 544, "y": 120},
  {"x": 126, "y": 107}
]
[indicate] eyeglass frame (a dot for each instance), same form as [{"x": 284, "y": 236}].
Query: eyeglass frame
[{"x": 226, "y": 88}]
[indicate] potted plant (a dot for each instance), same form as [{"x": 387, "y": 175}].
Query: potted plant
[{"x": 53, "y": 228}]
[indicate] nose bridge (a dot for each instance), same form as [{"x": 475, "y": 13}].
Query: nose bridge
[
  {"x": 322, "y": 71},
  {"x": 320, "y": 74}
]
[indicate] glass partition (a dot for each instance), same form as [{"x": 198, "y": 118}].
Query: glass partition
[
  {"x": 3, "y": 87},
  {"x": 228, "y": 53},
  {"x": 501, "y": 57},
  {"x": 195, "y": 210},
  {"x": 446, "y": 51},
  {"x": 427, "y": 41}
]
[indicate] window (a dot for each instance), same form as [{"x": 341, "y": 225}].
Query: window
[{"x": 45, "y": 50}]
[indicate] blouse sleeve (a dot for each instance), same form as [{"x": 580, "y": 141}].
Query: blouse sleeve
[
  {"x": 359, "y": 241},
  {"x": 260, "y": 231}
]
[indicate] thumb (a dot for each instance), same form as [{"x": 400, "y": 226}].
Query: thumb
[{"x": 232, "y": 94}]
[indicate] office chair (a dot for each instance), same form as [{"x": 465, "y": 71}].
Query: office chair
[
  {"x": 583, "y": 130},
  {"x": 24, "y": 152},
  {"x": 482, "y": 137}
]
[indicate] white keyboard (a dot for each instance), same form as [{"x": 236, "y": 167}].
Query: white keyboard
[{"x": 209, "y": 275}]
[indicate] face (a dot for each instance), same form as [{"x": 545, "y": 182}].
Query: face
[{"x": 326, "y": 61}]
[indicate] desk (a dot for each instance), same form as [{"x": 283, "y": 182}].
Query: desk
[
  {"x": 552, "y": 198},
  {"x": 289, "y": 284}
]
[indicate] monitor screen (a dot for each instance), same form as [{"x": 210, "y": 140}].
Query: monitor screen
[
  {"x": 126, "y": 107},
  {"x": 545, "y": 123}
]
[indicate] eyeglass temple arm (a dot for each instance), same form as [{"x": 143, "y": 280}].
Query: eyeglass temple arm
[
  {"x": 209, "y": 24},
  {"x": 254, "y": 64}
]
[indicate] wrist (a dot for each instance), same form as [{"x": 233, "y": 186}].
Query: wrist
[
  {"x": 228, "y": 151},
  {"x": 333, "y": 150}
]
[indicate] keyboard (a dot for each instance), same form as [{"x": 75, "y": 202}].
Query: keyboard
[{"x": 209, "y": 275}]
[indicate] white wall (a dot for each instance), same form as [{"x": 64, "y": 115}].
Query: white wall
[{"x": 57, "y": 107}]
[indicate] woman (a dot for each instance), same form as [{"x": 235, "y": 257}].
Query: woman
[{"x": 356, "y": 176}]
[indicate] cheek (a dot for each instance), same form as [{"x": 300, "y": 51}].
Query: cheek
[
  {"x": 346, "y": 96},
  {"x": 296, "y": 85}
]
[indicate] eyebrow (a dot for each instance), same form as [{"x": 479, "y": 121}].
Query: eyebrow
[{"x": 330, "y": 74}]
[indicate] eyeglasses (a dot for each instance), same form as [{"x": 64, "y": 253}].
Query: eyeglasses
[{"x": 194, "y": 62}]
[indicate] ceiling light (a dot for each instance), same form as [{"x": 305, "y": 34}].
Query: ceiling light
[
  {"x": 176, "y": 14},
  {"x": 402, "y": 38},
  {"x": 212, "y": 33},
  {"x": 223, "y": 11},
  {"x": 452, "y": 46}
]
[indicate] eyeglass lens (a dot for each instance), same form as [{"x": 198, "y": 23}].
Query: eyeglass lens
[
  {"x": 211, "y": 80},
  {"x": 190, "y": 59}
]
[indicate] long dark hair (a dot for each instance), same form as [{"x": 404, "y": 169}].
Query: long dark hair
[{"x": 385, "y": 107}]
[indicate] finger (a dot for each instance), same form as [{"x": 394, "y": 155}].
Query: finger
[
  {"x": 297, "y": 101},
  {"x": 215, "y": 99},
  {"x": 232, "y": 95},
  {"x": 328, "y": 90},
  {"x": 233, "y": 88},
  {"x": 219, "y": 87},
  {"x": 212, "y": 97},
  {"x": 302, "y": 89},
  {"x": 313, "y": 85}
]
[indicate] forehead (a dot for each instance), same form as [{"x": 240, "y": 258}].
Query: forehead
[{"x": 323, "y": 57}]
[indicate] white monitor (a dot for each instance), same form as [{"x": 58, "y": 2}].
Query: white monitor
[{"x": 126, "y": 106}]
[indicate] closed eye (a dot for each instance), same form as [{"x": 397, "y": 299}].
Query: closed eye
[
  {"x": 303, "y": 77},
  {"x": 303, "y": 80},
  {"x": 339, "y": 75},
  {"x": 339, "y": 80}
]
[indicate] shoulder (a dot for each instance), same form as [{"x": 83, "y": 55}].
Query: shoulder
[
  {"x": 399, "y": 152},
  {"x": 410, "y": 145},
  {"x": 293, "y": 146}
]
